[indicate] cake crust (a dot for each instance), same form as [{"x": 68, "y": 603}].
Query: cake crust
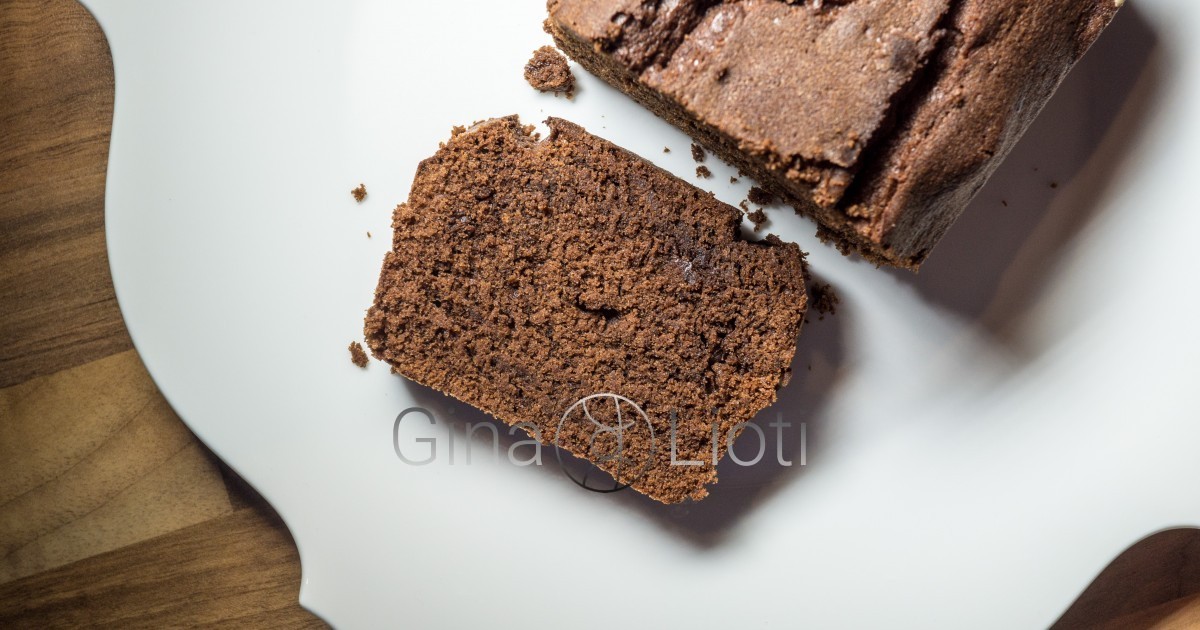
[{"x": 881, "y": 119}]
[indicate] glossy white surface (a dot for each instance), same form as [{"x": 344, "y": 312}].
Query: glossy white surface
[{"x": 981, "y": 440}]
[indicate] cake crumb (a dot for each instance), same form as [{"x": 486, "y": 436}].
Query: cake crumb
[
  {"x": 1004, "y": 203},
  {"x": 358, "y": 356},
  {"x": 761, "y": 196},
  {"x": 359, "y": 193},
  {"x": 698, "y": 152},
  {"x": 758, "y": 218},
  {"x": 666, "y": 149},
  {"x": 1054, "y": 184},
  {"x": 547, "y": 71},
  {"x": 745, "y": 206},
  {"x": 823, "y": 299},
  {"x": 733, "y": 180},
  {"x": 702, "y": 171},
  {"x": 368, "y": 234}
]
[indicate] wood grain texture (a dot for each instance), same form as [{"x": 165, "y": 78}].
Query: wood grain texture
[
  {"x": 1159, "y": 573},
  {"x": 96, "y": 460},
  {"x": 240, "y": 571},
  {"x": 1178, "y": 614},
  {"x": 57, "y": 307},
  {"x": 91, "y": 458}
]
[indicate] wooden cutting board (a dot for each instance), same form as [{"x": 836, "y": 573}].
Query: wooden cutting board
[{"x": 111, "y": 511}]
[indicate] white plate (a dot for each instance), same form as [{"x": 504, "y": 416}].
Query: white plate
[{"x": 981, "y": 440}]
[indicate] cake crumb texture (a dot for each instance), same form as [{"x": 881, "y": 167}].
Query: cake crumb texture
[
  {"x": 358, "y": 356},
  {"x": 758, "y": 218},
  {"x": 761, "y": 196},
  {"x": 547, "y": 71},
  {"x": 525, "y": 276},
  {"x": 824, "y": 299}
]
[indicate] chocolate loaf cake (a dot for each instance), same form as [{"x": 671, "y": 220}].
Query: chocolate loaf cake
[
  {"x": 881, "y": 119},
  {"x": 528, "y": 274}
]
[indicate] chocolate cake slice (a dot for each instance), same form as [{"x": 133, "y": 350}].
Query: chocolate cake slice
[
  {"x": 528, "y": 274},
  {"x": 881, "y": 119}
]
